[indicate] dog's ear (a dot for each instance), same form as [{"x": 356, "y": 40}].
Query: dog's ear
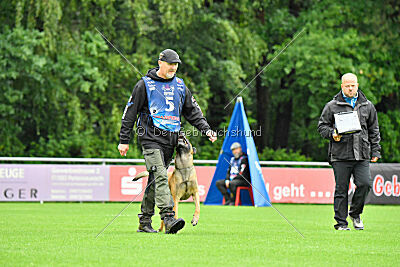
[{"x": 194, "y": 150}]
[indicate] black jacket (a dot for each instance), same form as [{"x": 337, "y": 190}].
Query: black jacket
[
  {"x": 149, "y": 135},
  {"x": 358, "y": 146},
  {"x": 244, "y": 171}
]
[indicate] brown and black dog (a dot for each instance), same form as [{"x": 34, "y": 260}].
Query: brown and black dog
[{"x": 183, "y": 180}]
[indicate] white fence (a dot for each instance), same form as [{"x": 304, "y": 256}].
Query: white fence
[{"x": 106, "y": 161}]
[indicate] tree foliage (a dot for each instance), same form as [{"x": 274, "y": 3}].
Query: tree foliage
[{"x": 64, "y": 87}]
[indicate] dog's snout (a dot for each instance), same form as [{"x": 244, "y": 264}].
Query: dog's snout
[{"x": 181, "y": 143}]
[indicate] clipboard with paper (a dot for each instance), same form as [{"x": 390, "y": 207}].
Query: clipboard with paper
[{"x": 347, "y": 122}]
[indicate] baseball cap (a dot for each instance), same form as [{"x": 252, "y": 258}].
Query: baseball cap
[
  {"x": 235, "y": 145},
  {"x": 170, "y": 56}
]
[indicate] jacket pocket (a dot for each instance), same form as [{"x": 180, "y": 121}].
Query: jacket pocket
[
  {"x": 364, "y": 113},
  {"x": 152, "y": 158},
  {"x": 148, "y": 151},
  {"x": 340, "y": 149},
  {"x": 366, "y": 148}
]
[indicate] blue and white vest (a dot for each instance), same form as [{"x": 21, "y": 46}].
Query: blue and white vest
[
  {"x": 165, "y": 102},
  {"x": 235, "y": 167}
]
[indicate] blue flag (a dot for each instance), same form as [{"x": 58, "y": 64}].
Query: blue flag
[{"x": 239, "y": 131}]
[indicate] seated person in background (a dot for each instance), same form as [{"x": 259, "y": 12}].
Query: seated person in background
[{"x": 238, "y": 173}]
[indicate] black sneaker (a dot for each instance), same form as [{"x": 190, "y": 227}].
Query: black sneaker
[
  {"x": 146, "y": 228},
  {"x": 357, "y": 223},
  {"x": 172, "y": 225}
]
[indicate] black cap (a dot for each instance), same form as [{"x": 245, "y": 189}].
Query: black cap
[{"x": 170, "y": 56}]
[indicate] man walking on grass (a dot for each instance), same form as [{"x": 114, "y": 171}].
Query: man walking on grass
[
  {"x": 157, "y": 103},
  {"x": 349, "y": 154}
]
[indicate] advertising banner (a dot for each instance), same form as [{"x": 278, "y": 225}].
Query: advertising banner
[
  {"x": 37, "y": 182},
  {"x": 20, "y": 182},
  {"x": 385, "y": 184},
  {"x": 77, "y": 183},
  {"x": 299, "y": 185},
  {"x": 121, "y": 186},
  {"x": 34, "y": 182}
]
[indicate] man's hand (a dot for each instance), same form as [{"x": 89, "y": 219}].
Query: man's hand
[
  {"x": 336, "y": 136},
  {"x": 123, "y": 149},
  {"x": 374, "y": 159},
  {"x": 227, "y": 183},
  {"x": 212, "y": 136}
]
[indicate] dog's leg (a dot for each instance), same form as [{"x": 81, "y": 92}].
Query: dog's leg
[
  {"x": 176, "y": 203},
  {"x": 196, "y": 216}
]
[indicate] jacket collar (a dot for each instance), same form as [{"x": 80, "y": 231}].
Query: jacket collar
[
  {"x": 152, "y": 73},
  {"x": 340, "y": 99}
]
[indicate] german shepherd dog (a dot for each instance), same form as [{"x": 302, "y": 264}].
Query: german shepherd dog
[{"x": 183, "y": 180}]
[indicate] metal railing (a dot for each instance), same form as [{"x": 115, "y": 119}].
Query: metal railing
[{"x": 104, "y": 161}]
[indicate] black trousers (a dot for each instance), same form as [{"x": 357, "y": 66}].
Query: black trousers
[
  {"x": 362, "y": 179},
  {"x": 233, "y": 185}
]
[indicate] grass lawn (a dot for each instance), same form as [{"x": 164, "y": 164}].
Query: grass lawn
[{"x": 64, "y": 234}]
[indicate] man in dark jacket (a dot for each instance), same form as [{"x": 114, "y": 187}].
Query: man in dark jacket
[
  {"x": 157, "y": 102},
  {"x": 237, "y": 174},
  {"x": 350, "y": 153}
]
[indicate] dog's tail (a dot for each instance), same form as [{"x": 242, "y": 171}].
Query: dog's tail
[{"x": 141, "y": 175}]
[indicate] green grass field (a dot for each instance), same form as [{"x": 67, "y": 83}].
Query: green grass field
[{"x": 64, "y": 234}]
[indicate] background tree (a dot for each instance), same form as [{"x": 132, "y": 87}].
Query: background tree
[{"x": 64, "y": 88}]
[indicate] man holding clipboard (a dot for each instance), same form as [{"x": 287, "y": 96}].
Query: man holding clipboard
[{"x": 350, "y": 122}]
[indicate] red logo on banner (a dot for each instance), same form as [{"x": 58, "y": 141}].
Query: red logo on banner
[
  {"x": 121, "y": 186},
  {"x": 389, "y": 188}
]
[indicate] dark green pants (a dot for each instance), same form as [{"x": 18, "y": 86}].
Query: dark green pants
[
  {"x": 157, "y": 193},
  {"x": 362, "y": 179}
]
